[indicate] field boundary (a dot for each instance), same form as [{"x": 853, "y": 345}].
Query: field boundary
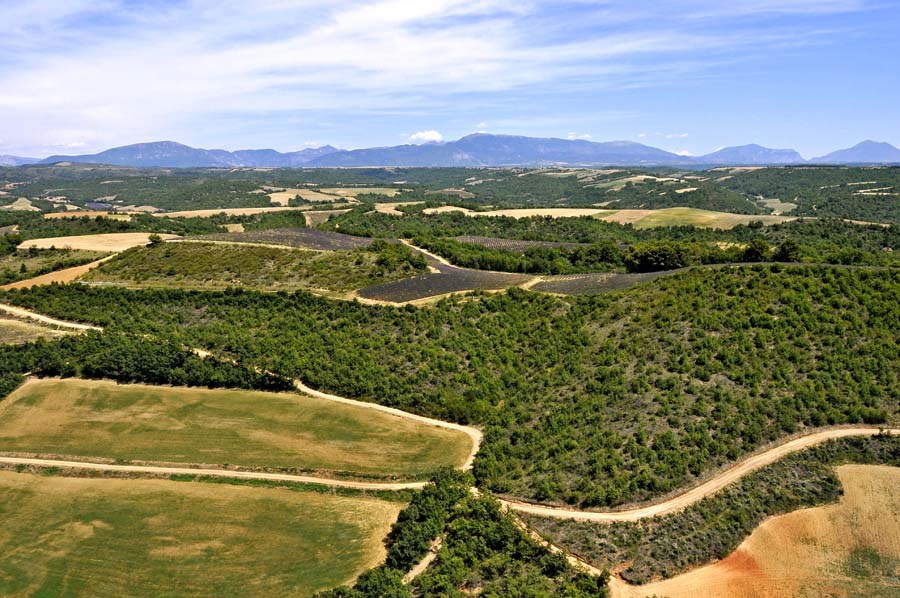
[{"x": 212, "y": 472}]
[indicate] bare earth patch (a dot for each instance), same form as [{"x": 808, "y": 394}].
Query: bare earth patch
[{"x": 848, "y": 549}]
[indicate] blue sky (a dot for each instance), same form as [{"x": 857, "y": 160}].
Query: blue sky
[{"x": 78, "y": 76}]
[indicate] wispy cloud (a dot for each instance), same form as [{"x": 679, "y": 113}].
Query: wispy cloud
[{"x": 97, "y": 72}]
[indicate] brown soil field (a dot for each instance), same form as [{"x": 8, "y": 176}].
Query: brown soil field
[
  {"x": 850, "y": 549},
  {"x": 105, "y": 242}
]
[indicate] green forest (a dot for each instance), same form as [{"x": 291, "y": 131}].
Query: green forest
[{"x": 590, "y": 401}]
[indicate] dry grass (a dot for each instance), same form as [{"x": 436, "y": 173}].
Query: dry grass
[
  {"x": 226, "y": 211},
  {"x": 93, "y": 214},
  {"x": 15, "y": 332},
  {"x": 105, "y": 242},
  {"x": 357, "y": 191},
  {"x": 688, "y": 216},
  {"x": 848, "y": 549},
  {"x": 60, "y": 276},
  {"x": 110, "y": 537},
  {"x": 21, "y": 204},
  {"x": 138, "y": 423},
  {"x": 391, "y": 208},
  {"x": 523, "y": 212},
  {"x": 284, "y": 197}
]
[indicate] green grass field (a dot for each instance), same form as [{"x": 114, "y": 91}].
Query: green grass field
[
  {"x": 14, "y": 332},
  {"x": 108, "y": 537},
  {"x": 217, "y": 266},
  {"x": 103, "y": 420}
]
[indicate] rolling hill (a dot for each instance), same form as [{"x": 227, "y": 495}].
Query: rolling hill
[{"x": 867, "y": 152}]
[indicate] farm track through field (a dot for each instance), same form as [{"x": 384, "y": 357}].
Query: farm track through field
[
  {"x": 713, "y": 485},
  {"x": 218, "y": 473}
]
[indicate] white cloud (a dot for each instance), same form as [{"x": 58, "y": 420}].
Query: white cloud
[
  {"x": 481, "y": 127},
  {"x": 676, "y": 136},
  {"x": 684, "y": 153},
  {"x": 573, "y": 136},
  {"x": 121, "y": 71},
  {"x": 430, "y": 136}
]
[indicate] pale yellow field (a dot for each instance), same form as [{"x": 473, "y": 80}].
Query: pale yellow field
[
  {"x": 22, "y": 204},
  {"x": 283, "y": 198},
  {"x": 92, "y": 214},
  {"x": 106, "y": 242},
  {"x": 226, "y": 211},
  {"x": 234, "y": 228},
  {"x": 355, "y": 191},
  {"x": 391, "y": 208},
  {"x": 523, "y": 212},
  {"x": 844, "y": 550},
  {"x": 317, "y": 217},
  {"x": 60, "y": 276}
]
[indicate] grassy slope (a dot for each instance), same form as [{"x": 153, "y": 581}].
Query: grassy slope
[
  {"x": 99, "y": 419},
  {"x": 101, "y": 537},
  {"x": 214, "y": 266},
  {"x": 594, "y": 401}
]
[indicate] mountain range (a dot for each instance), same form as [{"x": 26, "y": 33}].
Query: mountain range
[{"x": 476, "y": 150}]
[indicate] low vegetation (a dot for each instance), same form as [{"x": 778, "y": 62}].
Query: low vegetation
[
  {"x": 482, "y": 552},
  {"x": 665, "y": 546},
  {"x": 284, "y": 431},
  {"x": 592, "y": 401},
  {"x": 16, "y": 332},
  {"x": 211, "y": 265},
  {"x": 107, "y": 537}
]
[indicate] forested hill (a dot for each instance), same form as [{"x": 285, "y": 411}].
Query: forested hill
[{"x": 592, "y": 401}]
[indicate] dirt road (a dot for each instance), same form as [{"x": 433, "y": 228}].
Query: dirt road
[
  {"x": 24, "y": 313},
  {"x": 219, "y": 473},
  {"x": 730, "y": 475}
]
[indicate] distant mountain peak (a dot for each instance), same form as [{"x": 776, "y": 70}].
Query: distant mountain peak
[
  {"x": 864, "y": 152},
  {"x": 752, "y": 154}
]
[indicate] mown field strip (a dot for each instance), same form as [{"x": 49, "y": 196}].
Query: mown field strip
[
  {"x": 729, "y": 476},
  {"x": 217, "y": 473}
]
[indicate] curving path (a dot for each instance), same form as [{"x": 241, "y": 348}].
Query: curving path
[
  {"x": 30, "y": 315},
  {"x": 729, "y": 476}
]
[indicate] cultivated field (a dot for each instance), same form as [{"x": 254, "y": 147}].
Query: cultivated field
[
  {"x": 591, "y": 284},
  {"x": 279, "y": 431},
  {"x": 108, "y": 537},
  {"x": 514, "y": 245},
  {"x": 220, "y": 264},
  {"x": 60, "y": 276},
  {"x": 449, "y": 280},
  {"x": 227, "y": 211},
  {"x": 301, "y": 238},
  {"x": 357, "y": 191},
  {"x": 91, "y": 214},
  {"x": 638, "y": 218},
  {"x": 104, "y": 242},
  {"x": 21, "y": 204},
  {"x": 848, "y": 549},
  {"x": 284, "y": 197},
  {"x": 14, "y": 332}
]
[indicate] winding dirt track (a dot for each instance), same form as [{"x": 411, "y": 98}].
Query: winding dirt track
[
  {"x": 730, "y": 475},
  {"x": 219, "y": 473},
  {"x": 24, "y": 313}
]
